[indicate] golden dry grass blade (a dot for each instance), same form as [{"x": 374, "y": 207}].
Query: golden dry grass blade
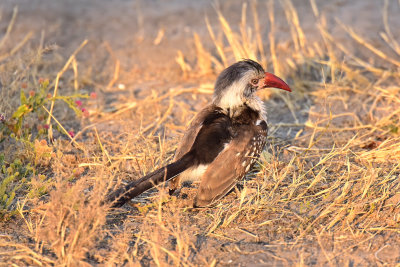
[
  {"x": 9, "y": 27},
  {"x": 271, "y": 35},
  {"x": 115, "y": 75},
  {"x": 257, "y": 29},
  {"x": 293, "y": 19},
  {"x": 16, "y": 48},
  {"x": 243, "y": 30},
  {"x": 314, "y": 8},
  {"x": 180, "y": 59},
  {"x": 103, "y": 150},
  {"x": 62, "y": 128},
  {"x": 217, "y": 44},
  {"x": 59, "y": 74},
  {"x": 203, "y": 57},
  {"x": 388, "y": 36},
  {"x": 358, "y": 60},
  {"x": 285, "y": 5},
  {"x": 237, "y": 49}
]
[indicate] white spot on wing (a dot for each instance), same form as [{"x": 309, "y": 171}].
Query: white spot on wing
[
  {"x": 248, "y": 168},
  {"x": 226, "y": 146}
]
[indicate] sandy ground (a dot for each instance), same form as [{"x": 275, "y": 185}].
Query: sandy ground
[{"x": 131, "y": 27}]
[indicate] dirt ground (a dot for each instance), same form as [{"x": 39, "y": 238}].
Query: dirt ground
[
  {"x": 131, "y": 27},
  {"x": 144, "y": 37}
]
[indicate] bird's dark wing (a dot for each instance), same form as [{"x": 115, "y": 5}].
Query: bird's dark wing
[
  {"x": 192, "y": 131},
  {"x": 205, "y": 138},
  {"x": 231, "y": 164}
]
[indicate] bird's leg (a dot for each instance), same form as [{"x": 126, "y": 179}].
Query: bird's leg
[
  {"x": 173, "y": 186},
  {"x": 172, "y": 191},
  {"x": 238, "y": 189},
  {"x": 177, "y": 191}
]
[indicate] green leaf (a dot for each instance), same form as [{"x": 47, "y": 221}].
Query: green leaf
[
  {"x": 44, "y": 85},
  {"x": 394, "y": 129},
  {"x": 21, "y": 111},
  {"x": 10, "y": 199},
  {"x": 23, "y": 98}
]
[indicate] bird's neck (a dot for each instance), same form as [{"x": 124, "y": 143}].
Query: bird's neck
[
  {"x": 236, "y": 108},
  {"x": 256, "y": 104}
]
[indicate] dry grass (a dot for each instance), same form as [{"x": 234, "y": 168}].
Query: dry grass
[{"x": 327, "y": 196}]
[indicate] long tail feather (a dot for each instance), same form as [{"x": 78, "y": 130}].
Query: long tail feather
[{"x": 122, "y": 195}]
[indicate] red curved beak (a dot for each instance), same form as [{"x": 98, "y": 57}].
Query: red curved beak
[{"x": 273, "y": 81}]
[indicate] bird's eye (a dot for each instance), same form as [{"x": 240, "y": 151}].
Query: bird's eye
[{"x": 254, "y": 81}]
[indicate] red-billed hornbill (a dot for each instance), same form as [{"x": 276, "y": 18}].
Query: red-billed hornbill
[{"x": 223, "y": 141}]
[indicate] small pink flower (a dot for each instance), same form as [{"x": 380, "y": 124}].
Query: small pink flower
[
  {"x": 46, "y": 126},
  {"x": 43, "y": 80},
  {"x": 71, "y": 133},
  {"x": 31, "y": 93},
  {"x": 85, "y": 112},
  {"x": 24, "y": 85},
  {"x": 93, "y": 95},
  {"x": 78, "y": 103}
]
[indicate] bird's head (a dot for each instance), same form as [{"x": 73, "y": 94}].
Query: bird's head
[{"x": 237, "y": 84}]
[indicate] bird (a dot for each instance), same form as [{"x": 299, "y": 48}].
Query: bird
[{"x": 222, "y": 142}]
